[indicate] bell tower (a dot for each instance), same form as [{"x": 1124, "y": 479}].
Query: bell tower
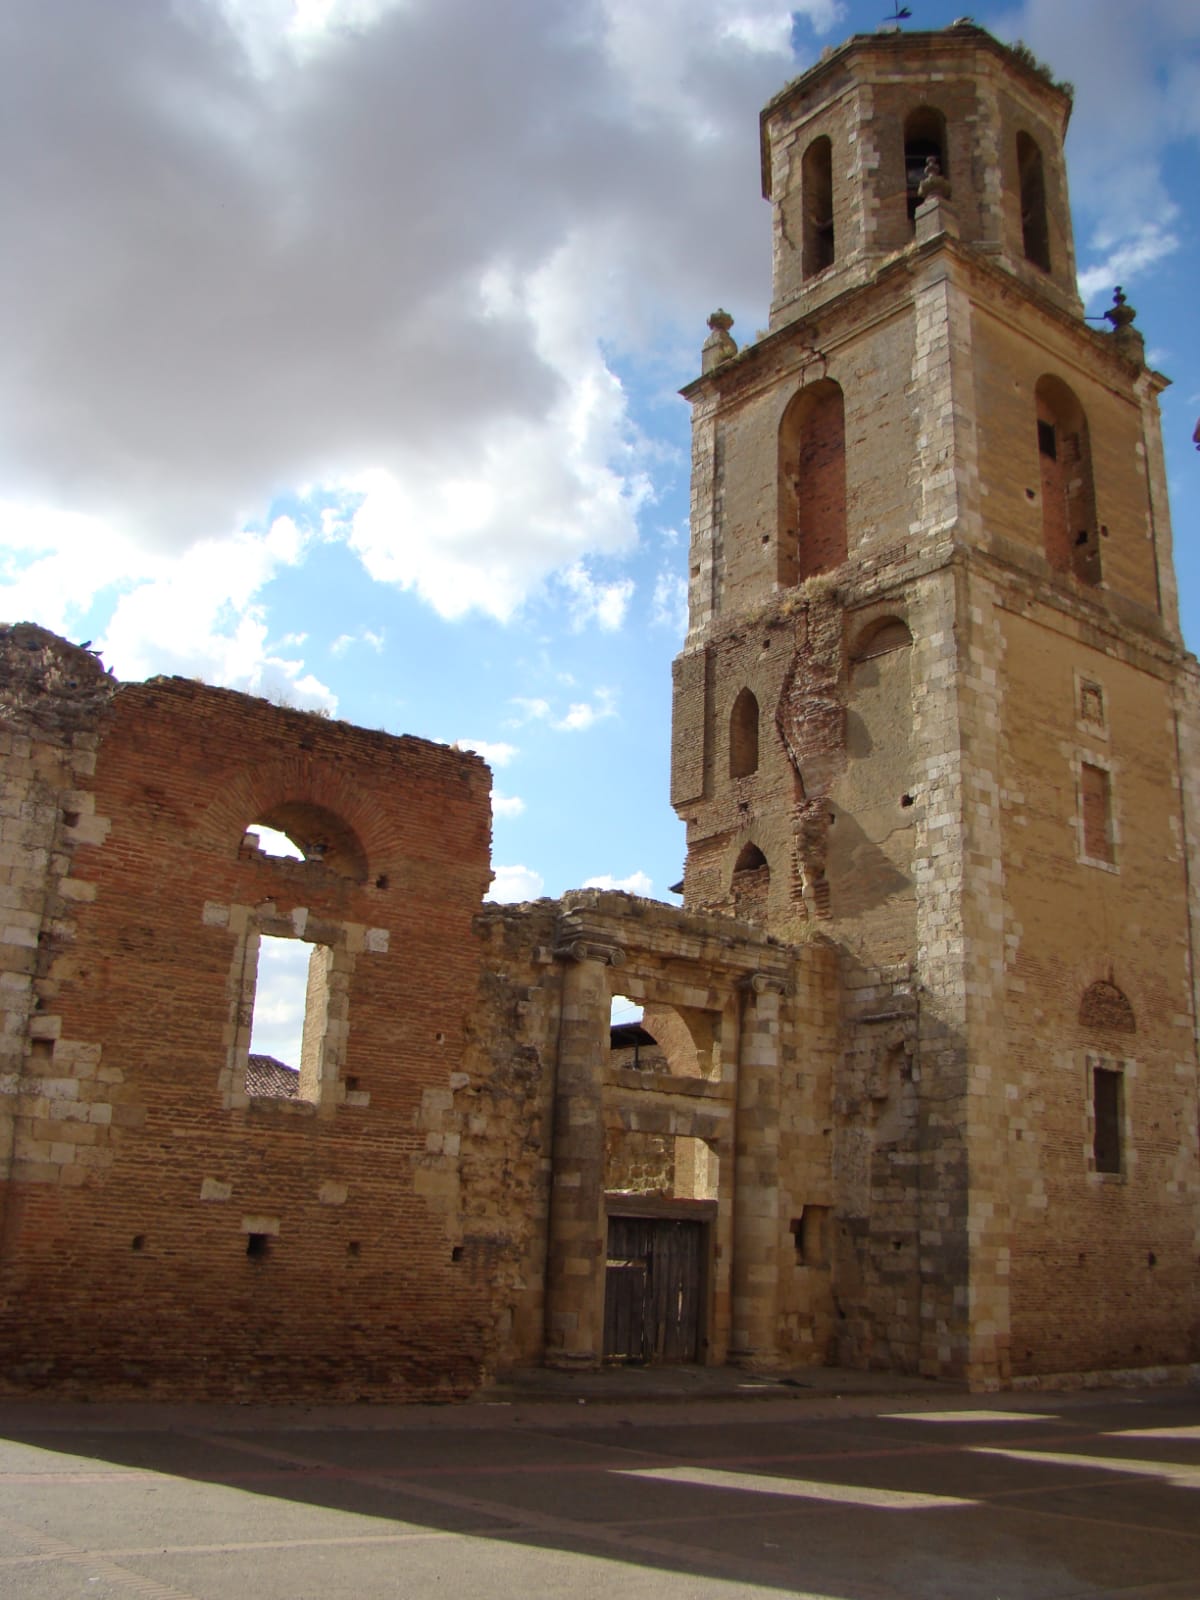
[{"x": 934, "y": 706}]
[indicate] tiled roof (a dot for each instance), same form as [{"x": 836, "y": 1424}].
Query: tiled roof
[{"x": 266, "y": 1076}]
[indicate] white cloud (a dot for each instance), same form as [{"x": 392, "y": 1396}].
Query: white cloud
[
  {"x": 196, "y": 615},
  {"x": 253, "y": 251},
  {"x": 635, "y": 883},
  {"x": 670, "y": 602},
  {"x": 506, "y": 805},
  {"x": 530, "y": 710},
  {"x": 367, "y": 636},
  {"x": 590, "y": 601},
  {"x": 495, "y": 752},
  {"x": 1136, "y": 92},
  {"x": 514, "y": 884},
  {"x": 585, "y": 714},
  {"x": 1128, "y": 254}
]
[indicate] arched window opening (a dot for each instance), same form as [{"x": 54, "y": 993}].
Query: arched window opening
[
  {"x": 1105, "y": 1009},
  {"x": 816, "y": 181},
  {"x": 1069, "y": 527},
  {"x": 812, "y": 483},
  {"x": 298, "y": 830},
  {"x": 881, "y": 638},
  {"x": 1035, "y": 229},
  {"x": 743, "y": 736},
  {"x": 751, "y": 884},
  {"x": 924, "y": 136}
]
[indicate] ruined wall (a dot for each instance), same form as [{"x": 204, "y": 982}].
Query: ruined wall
[{"x": 272, "y": 1245}]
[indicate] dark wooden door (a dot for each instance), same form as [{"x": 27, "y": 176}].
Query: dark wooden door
[{"x": 652, "y": 1289}]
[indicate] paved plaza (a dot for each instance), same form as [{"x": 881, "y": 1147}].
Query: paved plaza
[{"x": 861, "y": 1496}]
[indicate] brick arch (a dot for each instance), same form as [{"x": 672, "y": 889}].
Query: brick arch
[
  {"x": 319, "y": 810},
  {"x": 750, "y": 884},
  {"x": 812, "y": 483},
  {"x": 743, "y": 735},
  {"x": 818, "y": 249},
  {"x": 880, "y": 637},
  {"x": 1105, "y": 1009},
  {"x": 1035, "y": 227},
  {"x": 1069, "y": 528},
  {"x": 924, "y": 136}
]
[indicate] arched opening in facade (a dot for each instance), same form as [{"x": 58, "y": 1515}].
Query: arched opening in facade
[
  {"x": 924, "y": 136},
  {"x": 816, "y": 180},
  {"x": 1105, "y": 1009},
  {"x": 880, "y": 638},
  {"x": 315, "y": 834},
  {"x": 1035, "y": 226},
  {"x": 1069, "y": 528},
  {"x": 812, "y": 483},
  {"x": 743, "y": 735},
  {"x": 750, "y": 885}
]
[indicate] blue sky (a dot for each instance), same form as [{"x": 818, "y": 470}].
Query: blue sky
[{"x": 343, "y": 342}]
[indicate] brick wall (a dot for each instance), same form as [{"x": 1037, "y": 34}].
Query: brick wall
[{"x": 140, "y": 1165}]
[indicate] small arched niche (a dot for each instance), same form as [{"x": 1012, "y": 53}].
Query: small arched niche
[
  {"x": 1069, "y": 528},
  {"x": 812, "y": 483},
  {"x": 750, "y": 884},
  {"x": 1103, "y": 1008},
  {"x": 1035, "y": 226},
  {"x": 816, "y": 180},
  {"x": 924, "y": 136},
  {"x": 880, "y": 638},
  {"x": 319, "y": 837},
  {"x": 743, "y": 735}
]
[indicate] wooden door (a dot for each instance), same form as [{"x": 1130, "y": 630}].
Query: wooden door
[{"x": 652, "y": 1289}]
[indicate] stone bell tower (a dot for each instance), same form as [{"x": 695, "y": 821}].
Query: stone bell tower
[{"x": 934, "y": 705}]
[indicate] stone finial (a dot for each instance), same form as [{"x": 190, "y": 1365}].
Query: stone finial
[
  {"x": 933, "y": 182},
  {"x": 1128, "y": 338},
  {"x": 719, "y": 346}
]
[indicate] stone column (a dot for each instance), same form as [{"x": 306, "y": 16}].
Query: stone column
[
  {"x": 577, "y": 1248},
  {"x": 756, "y": 1177}
]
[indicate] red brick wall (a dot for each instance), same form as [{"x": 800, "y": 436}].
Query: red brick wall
[
  {"x": 359, "y": 1292},
  {"x": 812, "y": 482}
]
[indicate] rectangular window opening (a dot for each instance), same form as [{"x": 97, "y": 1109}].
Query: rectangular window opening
[
  {"x": 258, "y": 1245},
  {"x": 1047, "y": 443},
  {"x": 1106, "y": 1112},
  {"x": 1096, "y": 800},
  {"x": 290, "y": 1020}
]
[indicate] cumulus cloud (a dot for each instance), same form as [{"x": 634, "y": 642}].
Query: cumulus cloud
[
  {"x": 506, "y": 805},
  {"x": 585, "y": 714},
  {"x": 494, "y": 751},
  {"x": 1137, "y": 90},
  {"x": 252, "y": 247},
  {"x": 578, "y": 717},
  {"x": 511, "y": 885},
  {"x": 635, "y": 883},
  {"x": 592, "y": 601},
  {"x": 374, "y": 640},
  {"x": 670, "y": 602}
]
